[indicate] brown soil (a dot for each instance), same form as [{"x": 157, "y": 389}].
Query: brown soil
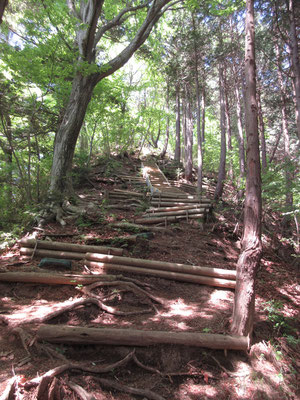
[{"x": 269, "y": 371}]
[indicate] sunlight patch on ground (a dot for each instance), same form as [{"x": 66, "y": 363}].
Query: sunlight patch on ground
[
  {"x": 220, "y": 298},
  {"x": 190, "y": 390}
]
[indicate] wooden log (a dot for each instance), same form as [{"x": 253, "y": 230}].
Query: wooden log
[
  {"x": 133, "y": 337},
  {"x": 163, "y": 265},
  {"x": 168, "y": 219},
  {"x": 128, "y": 192},
  {"x": 176, "y": 203},
  {"x": 128, "y": 226},
  {"x": 186, "y": 212},
  {"x": 178, "y": 196},
  {"x": 178, "y": 200},
  {"x": 54, "y": 278},
  {"x": 71, "y": 247},
  {"x": 176, "y": 208},
  {"x": 27, "y": 251},
  {"x": 198, "y": 279}
]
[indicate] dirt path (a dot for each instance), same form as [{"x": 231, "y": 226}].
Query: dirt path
[{"x": 172, "y": 372}]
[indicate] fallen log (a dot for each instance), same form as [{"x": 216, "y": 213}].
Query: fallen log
[
  {"x": 176, "y": 208},
  {"x": 55, "y": 279},
  {"x": 176, "y": 203},
  {"x": 27, "y": 251},
  {"x": 163, "y": 265},
  {"x": 170, "y": 212},
  {"x": 171, "y": 196},
  {"x": 72, "y": 247},
  {"x": 178, "y": 200},
  {"x": 128, "y": 226},
  {"x": 177, "y": 276},
  {"x": 175, "y": 218},
  {"x": 133, "y": 337}
]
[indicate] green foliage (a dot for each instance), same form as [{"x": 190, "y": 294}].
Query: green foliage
[{"x": 277, "y": 318}]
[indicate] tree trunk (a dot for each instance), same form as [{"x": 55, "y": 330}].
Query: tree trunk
[
  {"x": 189, "y": 142},
  {"x": 66, "y": 137},
  {"x": 222, "y": 165},
  {"x": 286, "y": 137},
  {"x": 203, "y": 114},
  {"x": 295, "y": 61},
  {"x": 240, "y": 139},
  {"x": 3, "y": 4},
  {"x": 228, "y": 130},
  {"x": 263, "y": 146},
  {"x": 163, "y": 153},
  {"x": 248, "y": 263},
  {"x": 177, "y": 145}
]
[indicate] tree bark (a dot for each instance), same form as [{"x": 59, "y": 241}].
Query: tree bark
[
  {"x": 222, "y": 165},
  {"x": 249, "y": 259}
]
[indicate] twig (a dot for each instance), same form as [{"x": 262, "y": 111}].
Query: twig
[{"x": 128, "y": 389}]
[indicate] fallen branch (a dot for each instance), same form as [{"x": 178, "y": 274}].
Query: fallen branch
[
  {"x": 128, "y": 389},
  {"x": 133, "y": 337}
]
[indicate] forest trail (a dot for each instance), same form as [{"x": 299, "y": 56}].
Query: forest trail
[
  {"x": 157, "y": 181},
  {"x": 129, "y": 306}
]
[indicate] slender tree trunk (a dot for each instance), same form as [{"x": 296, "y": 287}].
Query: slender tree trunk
[
  {"x": 177, "y": 145},
  {"x": 184, "y": 129},
  {"x": 286, "y": 137},
  {"x": 295, "y": 60},
  {"x": 228, "y": 130},
  {"x": 189, "y": 141},
  {"x": 249, "y": 259},
  {"x": 263, "y": 147},
  {"x": 198, "y": 113},
  {"x": 240, "y": 134},
  {"x": 203, "y": 103},
  {"x": 222, "y": 164},
  {"x": 3, "y": 4},
  {"x": 67, "y": 134},
  {"x": 164, "y": 150}
]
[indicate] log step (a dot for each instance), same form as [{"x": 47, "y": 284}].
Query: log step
[
  {"x": 163, "y": 265},
  {"x": 133, "y": 337},
  {"x": 69, "y": 247}
]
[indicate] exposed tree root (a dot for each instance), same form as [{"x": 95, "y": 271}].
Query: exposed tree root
[
  {"x": 65, "y": 367},
  {"x": 10, "y": 389},
  {"x": 83, "y": 394},
  {"x": 131, "y": 286},
  {"x": 127, "y": 389}
]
